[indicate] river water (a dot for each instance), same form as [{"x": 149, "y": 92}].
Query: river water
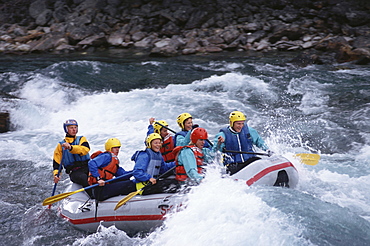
[{"x": 321, "y": 109}]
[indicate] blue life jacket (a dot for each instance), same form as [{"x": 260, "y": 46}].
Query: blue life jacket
[
  {"x": 72, "y": 161},
  {"x": 155, "y": 161},
  {"x": 241, "y": 141}
]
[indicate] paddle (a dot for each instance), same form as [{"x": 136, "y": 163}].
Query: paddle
[
  {"x": 132, "y": 194},
  {"x": 308, "y": 159},
  {"x": 305, "y": 158},
  {"x": 243, "y": 152},
  {"x": 209, "y": 142},
  {"x": 58, "y": 174},
  {"x": 56, "y": 198}
]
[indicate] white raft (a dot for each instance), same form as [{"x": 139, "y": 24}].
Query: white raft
[
  {"x": 143, "y": 213},
  {"x": 272, "y": 171},
  {"x": 140, "y": 214}
]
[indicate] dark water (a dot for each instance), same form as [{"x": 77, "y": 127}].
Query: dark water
[{"x": 319, "y": 109}]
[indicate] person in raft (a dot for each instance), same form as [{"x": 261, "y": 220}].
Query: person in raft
[
  {"x": 185, "y": 122},
  {"x": 168, "y": 141},
  {"x": 191, "y": 158},
  {"x": 104, "y": 166},
  {"x": 149, "y": 165},
  {"x": 72, "y": 153},
  {"x": 238, "y": 136}
]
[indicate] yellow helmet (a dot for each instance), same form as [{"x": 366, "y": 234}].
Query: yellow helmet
[
  {"x": 111, "y": 143},
  {"x": 236, "y": 116},
  {"x": 181, "y": 119},
  {"x": 158, "y": 127},
  {"x": 150, "y": 138}
]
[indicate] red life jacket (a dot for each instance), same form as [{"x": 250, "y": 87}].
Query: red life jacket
[
  {"x": 180, "y": 170},
  {"x": 106, "y": 172},
  {"x": 167, "y": 146}
]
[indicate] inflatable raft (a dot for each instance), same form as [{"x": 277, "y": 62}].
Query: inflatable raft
[
  {"x": 143, "y": 213},
  {"x": 273, "y": 171},
  {"x": 140, "y": 214}
]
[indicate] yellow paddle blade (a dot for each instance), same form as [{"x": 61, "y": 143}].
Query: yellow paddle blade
[
  {"x": 308, "y": 159},
  {"x": 126, "y": 199},
  {"x": 56, "y": 198}
]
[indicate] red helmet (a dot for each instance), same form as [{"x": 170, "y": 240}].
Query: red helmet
[{"x": 198, "y": 133}]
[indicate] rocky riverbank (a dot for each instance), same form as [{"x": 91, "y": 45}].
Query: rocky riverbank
[{"x": 326, "y": 31}]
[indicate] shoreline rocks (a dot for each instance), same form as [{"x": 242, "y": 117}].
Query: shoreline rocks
[{"x": 327, "y": 31}]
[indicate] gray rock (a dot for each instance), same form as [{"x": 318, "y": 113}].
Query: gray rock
[
  {"x": 196, "y": 19},
  {"x": 263, "y": 45},
  {"x": 60, "y": 14},
  {"x": 44, "y": 17},
  {"x": 137, "y": 36},
  {"x": 23, "y": 48},
  {"x": 147, "y": 42},
  {"x": 215, "y": 40},
  {"x": 37, "y": 7},
  {"x": 48, "y": 42},
  {"x": 256, "y": 36},
  {"x": 116, "y": 39},
  {"x": 189, "y": 51},
  {"x": 170, "y": 28},
  {"x": 308, "y": 44},
  {"x": 164, "y": 51},
  {"x": 251, "y": 27},
  {"x": 19, "y": 31},
  {"x": 230, "y": 35},
  {"x": 213, "y": 49},
  {"x": 191, "y": 44},
  {"x": 95, "y": 40}
]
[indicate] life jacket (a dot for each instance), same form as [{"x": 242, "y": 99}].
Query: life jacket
[
  {"x": 106, "y": 172},
  {"x": 167, "y": 146},
  {"x": 180, "y": 170},
  {"x": 182, "y": 133},
  {"x": 155, "y": 161},
  {"x": 241, "y": 141},
  {"x": 73, "y": 161}
]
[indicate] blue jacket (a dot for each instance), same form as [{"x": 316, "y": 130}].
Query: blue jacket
[
  {"x": 248, "y": 136},
  {"x": 74, "y": 160},
  {"x": 142, "y": 160}
]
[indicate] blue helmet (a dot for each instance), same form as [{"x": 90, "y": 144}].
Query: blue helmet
[{"x": 70, "y": 122}]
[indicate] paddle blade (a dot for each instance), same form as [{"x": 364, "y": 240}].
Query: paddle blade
[
  {"x": 308, "y": 159},
  {"x": 56, "y": 198},
  {"x": 126, "y": 199}
]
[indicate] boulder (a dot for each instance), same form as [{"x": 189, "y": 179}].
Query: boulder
[
  {"x": 48, "y": 42},
  {"x": 44, "y": 17},
  {"x": 116, "y": 39},
  {"x": 95, "y": 40},
  {"x": 37, "y": 7}
]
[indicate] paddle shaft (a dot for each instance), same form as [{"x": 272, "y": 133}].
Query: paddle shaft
[
  {"x": 56, "y": 198},
  {"x": 132, "y": 194},
  {"x": 209, "y": 142},
  {"x": 58, "y": 174},
  {"x": 243, "y": 152},
  {"x": 306, "y": 158},
  {"x": 59, "y": 170},
  {"x": 160, "y": 176}
]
